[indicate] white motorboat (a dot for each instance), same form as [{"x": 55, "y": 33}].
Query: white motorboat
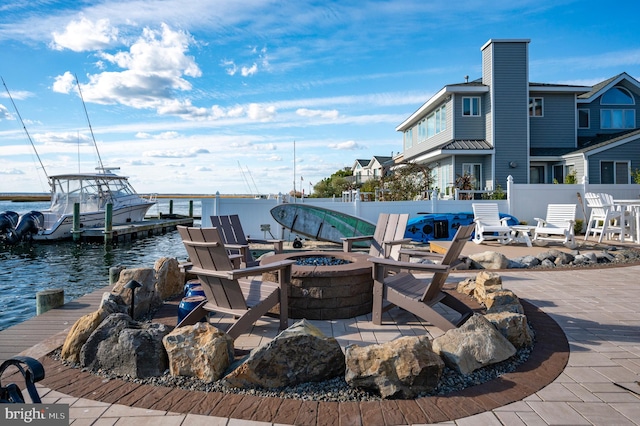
[{"x": 92, "y": 192}]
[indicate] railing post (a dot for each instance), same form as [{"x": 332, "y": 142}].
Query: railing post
[{"x": 510, "y": 194}]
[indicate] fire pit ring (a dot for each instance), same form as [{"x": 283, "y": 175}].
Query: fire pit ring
[{"x": 327, "y": 292}]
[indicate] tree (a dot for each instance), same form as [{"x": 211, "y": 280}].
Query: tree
[{"x": 407, "y": 181}]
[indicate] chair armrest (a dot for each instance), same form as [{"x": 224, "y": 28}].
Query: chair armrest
[
  {"x": 540, "y": 221},
  {"x": 244, "y": 272},
  {"x": 406, "y": 254},
  {"x": 429, "y": 267},
  {"x": 277, "y": 244},
  {"x": 396, "y": 242},
  {"x": 347, "y": 242}
]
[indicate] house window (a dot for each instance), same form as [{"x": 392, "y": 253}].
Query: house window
[
  {"x": 475, "y": 171},
  {"x": 583, "y": 118},
  {"x": 617, "y": 96},
  {"x": 536, "y": 174},
  {"x": 422, "y": 130},
  {"x": 535, "y": 107},
  {"x": 437, "y": 121},
  {"x": 558, "y": 173},
  {"x": 408, "y": 139},
  {"x": 617, "y": 119},
  {"x": 471, "y": 107},
  {"x": 614, "y": 172}
]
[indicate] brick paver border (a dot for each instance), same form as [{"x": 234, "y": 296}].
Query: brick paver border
[{"x": 548, "y": 359}]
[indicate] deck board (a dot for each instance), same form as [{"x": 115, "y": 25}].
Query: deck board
[{"x": 44, "y": 327}]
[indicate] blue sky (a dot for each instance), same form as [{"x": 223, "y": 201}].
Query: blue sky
[{"x": 205, "y": 96}]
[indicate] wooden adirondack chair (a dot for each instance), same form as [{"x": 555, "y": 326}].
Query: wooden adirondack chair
[
  {"x": 415, "y": 295},
  {"x": 226, "y": 289},
  {"x": 558, "y": 225},
  {"x": 237, "y": 243},
  {"x": 489, "y": 226},
  {"x": 387, "y": 238}
]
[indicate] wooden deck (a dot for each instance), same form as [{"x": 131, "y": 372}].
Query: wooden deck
[{"x": 44, "y": 333}]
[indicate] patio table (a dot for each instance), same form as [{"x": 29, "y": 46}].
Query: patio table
[{"x": 522, "y": 234}]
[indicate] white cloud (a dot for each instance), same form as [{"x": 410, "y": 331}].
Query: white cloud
[
  {"x": 151, "y": 71},
  {"x": 313, "y": 113},
  {"x": 261, "y": 112},
  {"x": 62, "y": 137},
  {"x": 230, "y": 67},
  {"x": 189, "y": 153},
  {"x": 86, "y": 35},
  {"x": 5, "y": 114},
  {"x": 248, "y": 71},
  {"x": 203, "y": 169},
  {"x": 348, "y": 145},
  {"x": 11, "y": 172},
  {"x": 64, "y": 83}
]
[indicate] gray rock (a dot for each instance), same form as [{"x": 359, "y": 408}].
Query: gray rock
[
  {"x": 401, "y": 368},
  {"x": 126, "y": 347},
  {"x": 475, "y": 344},
  {"x": 513, "y": 326},
  {"x": 490, "y": 260},
  {"x": 299, "y": 354}
]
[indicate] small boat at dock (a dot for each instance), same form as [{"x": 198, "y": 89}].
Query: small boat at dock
[{"x": 91, "y": 192}]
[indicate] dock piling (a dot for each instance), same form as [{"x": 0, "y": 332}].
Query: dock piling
[
  {"x": 76, "y": 222},
  {"x": 108, "y": 223},
  {"x": 49, "y": 299}
]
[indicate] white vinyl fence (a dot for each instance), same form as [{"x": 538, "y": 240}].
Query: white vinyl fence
[{"x": 524, "y": 201}]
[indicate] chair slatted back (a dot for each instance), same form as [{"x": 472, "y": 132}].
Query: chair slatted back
[
  {"x": 205, "y": 248},
  {"x": 450, "y": 258},
  {"x": 488, "y": 213},
  {"x": 560, "y": 215},
  {"x": 390, "y": 227},
  {"x": 232, "y": 233}
]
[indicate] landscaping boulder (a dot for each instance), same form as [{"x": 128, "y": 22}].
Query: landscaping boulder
[
  {"x": 486, "y": 282},
  {"x": 475, "y": 344},
  {"x": 299, "y": 354},
  {"x": 147, "y": 298},
  {"x": 490, "y": 260},
  {"x": 126, "y": 347},
  {"x": 170, "y": 279},
  {"x": 401, "y": 368},
  {"x": 503, "y": 301},
  {"x": 200, "y": 350},
  {"x": 513, "y": 326}
]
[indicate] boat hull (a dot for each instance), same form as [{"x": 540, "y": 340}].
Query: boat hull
[
  {"x": 442, "y": 226},
  {"x": 62, "y": 228}
]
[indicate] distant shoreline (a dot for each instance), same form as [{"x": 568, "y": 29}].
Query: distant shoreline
[{"x": 24, "y": 198}]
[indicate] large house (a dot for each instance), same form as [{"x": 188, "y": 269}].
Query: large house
[{"x": 502, "y": 124}]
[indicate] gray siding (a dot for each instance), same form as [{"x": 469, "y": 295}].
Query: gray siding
[
  {"x": 557, "y": 127},
  {"x": 469, "y": 127},
  {"x": 510, "y": 109},
  {"x": 594, "y": 115},
  {"x": 626, "y": 152},
  {"x": 420, "y": 147}
]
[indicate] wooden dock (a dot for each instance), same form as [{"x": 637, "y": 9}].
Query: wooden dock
[
  {"x": 134, "y": 230},
  {"x": 46, "y": 332}
]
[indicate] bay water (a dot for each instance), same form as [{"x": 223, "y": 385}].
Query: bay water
[{"x": 78, "y": 268}]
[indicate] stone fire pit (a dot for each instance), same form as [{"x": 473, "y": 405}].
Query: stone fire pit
[{"x": 328, "y": 292}]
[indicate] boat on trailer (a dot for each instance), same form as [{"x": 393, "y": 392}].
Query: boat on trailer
[{"x": 92, "y": 192}]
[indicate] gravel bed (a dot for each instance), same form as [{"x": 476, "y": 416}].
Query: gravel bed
[{"x": 336, "y": 389}]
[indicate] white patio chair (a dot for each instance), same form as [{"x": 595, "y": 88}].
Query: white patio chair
[
  {"x": 489, "y": 226},
  {"x": 604, "y": 219},
  {"x": 558, "y": 225}
]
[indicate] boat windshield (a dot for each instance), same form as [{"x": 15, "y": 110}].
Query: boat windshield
[{"x": 91, "y": 193}]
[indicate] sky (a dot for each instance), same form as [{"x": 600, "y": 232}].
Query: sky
[{"x": 259, "y": 96}]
